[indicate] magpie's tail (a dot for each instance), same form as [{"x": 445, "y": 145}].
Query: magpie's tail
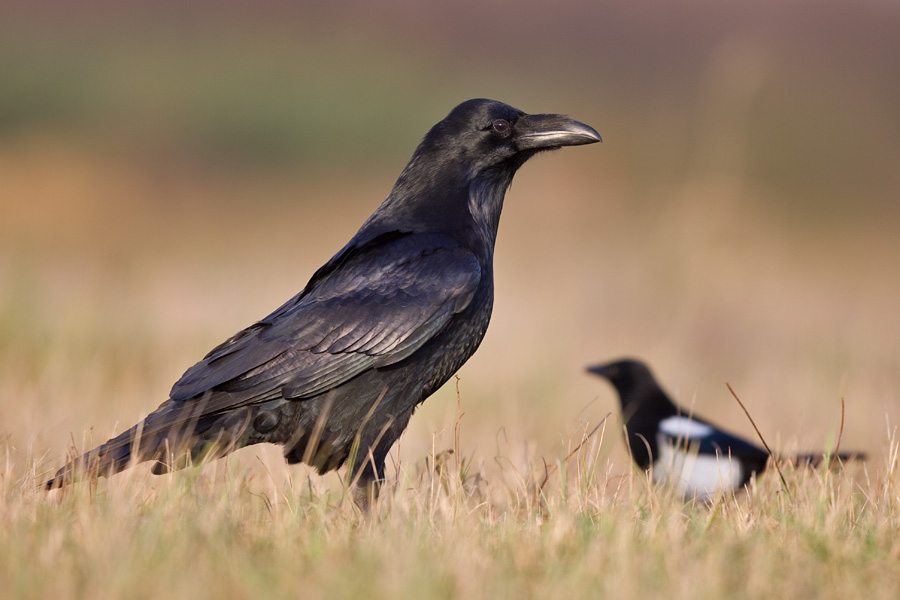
[
  {"x": 816, "y": 460},
  {"x": 169, "y": 436}
]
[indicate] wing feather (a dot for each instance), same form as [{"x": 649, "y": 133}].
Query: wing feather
[{"x": 377, "y": 307}]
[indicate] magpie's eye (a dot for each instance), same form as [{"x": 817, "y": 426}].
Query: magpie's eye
[{"x": 501, "y": 126}]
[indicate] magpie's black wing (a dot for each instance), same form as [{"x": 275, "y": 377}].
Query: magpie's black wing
[
  {"x": 368, "y": 307},
  {"x": 708, "y": 439}
]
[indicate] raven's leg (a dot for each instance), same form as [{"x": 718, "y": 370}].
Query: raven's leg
[
  {"x": 368, "y": 466},
  {"x": 369, "y": 476}
]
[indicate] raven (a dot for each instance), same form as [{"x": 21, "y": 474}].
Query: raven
[
  {"x": 691, "y": 453},
  {"x": 335, "y": 373}
]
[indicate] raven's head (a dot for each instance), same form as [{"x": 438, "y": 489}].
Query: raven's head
[
  {"x": 457, "y": 177},
  {"x": 488, "y": 135}
]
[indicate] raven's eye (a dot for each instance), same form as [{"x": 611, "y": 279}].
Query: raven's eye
[{"x": 501, "y": 126}]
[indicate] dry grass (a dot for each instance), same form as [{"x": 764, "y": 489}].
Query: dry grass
[{"x": 232, "y": 531}]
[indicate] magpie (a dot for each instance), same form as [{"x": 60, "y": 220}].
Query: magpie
[
  {"x": 334, "y": 374},
  {"x": 682, "y": 449}
]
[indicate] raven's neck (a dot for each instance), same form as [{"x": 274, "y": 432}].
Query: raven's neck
[
  {"x": 486, "y": 196},
  {"x": 485, "y": 203},
  {"x": 429, "y": 196},
  {"x": 444, "y": 198}
]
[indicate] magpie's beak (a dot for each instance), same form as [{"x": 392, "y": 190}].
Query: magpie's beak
[
  {"x": 601, "y": 370},
  {"x": 539, "y": 132}
]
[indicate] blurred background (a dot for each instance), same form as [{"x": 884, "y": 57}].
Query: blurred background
[{"x": 172, "y": 171}]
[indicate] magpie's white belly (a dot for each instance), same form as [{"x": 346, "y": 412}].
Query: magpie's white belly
[{"x": 693, "y": 474}]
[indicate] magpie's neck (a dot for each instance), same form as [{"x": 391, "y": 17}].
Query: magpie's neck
[{"x": 647, "y": 406}]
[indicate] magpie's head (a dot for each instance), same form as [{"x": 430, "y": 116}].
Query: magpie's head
[
  {"x": 627, "y": 376},
  {"x": 643, "y": 405},
  {"x": 486, "y": 134}
]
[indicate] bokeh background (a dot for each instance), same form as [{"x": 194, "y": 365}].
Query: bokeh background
[{"x": 172, "y": 171}]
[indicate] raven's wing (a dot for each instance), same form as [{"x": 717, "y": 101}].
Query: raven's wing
[
  {"x": 708, "y": 439},
  {"x": 369, "y": 307}
]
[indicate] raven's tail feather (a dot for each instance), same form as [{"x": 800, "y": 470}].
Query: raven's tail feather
[
  {"x": 107, "y": 459},
  {"x": 170, "y": 436},
  {"x": 815, "y": 460}
]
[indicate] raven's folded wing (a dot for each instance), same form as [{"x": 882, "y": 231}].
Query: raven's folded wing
[{"x": 375, "y": 307}]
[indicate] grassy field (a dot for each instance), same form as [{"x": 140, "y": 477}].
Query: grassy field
[
  {"x": 166, "y": 183},
  {"x": 100, "y": 315},
  {"x": 233, "y": 532}
]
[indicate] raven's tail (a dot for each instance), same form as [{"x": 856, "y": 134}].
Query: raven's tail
[
  {"x": 815, "y": 460},
  {"x": 168, "y": 436},
  {"x": 110, "y": 458}
]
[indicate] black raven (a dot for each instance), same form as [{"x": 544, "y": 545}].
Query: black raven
[
  {"x": 689, "y": 452},
  {"x": 336, "y": 372}
]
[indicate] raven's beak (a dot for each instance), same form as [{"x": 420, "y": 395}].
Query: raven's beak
[{"x": 552, "y": 131}]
